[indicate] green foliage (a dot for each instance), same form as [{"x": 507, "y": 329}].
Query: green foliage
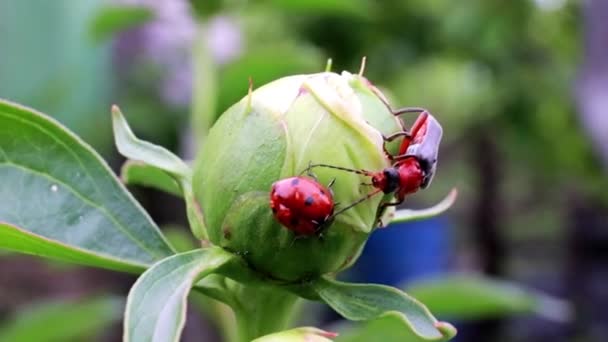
[
  {"x": 179, "y": 238},
  {"x": 206, "y": 8},
  {"x": 112, "y": 19},
  {"x": 131, "y": 147},
  {"x": 156, "y": 306},
  {"x": 159, "y": 159},
  {"x": 204, "y": 89},
  {"x": 356, "y": 8},
  {"x": 139, "y": 173},
  {"x": 387, "y": 328},
  {"x": 61, "y": 200},
  {"x": 362, "y": 302},
  {"x": 49, "y": 63},
  {"x": 472, "y": 297},
  {"x": 56, "y": 321}
]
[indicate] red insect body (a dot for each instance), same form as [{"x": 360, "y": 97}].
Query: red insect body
[
  {"x": 417, "y": 132},
  {"x": 403, "y": 178},
  {"x": 301, "y": 204},
  {"x": 421, "y": 142},
  {"x": 413, "y": 167},
  {"x": 410, "y": 177}
]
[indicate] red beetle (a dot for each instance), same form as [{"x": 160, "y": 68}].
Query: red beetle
[
  {"x": 301, "y": 204},
  {"x": 413, "y": 167},
  {"x": 421, "y": 142}
]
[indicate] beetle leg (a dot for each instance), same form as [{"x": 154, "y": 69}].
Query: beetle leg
[
  {"x": 383, "y": 207},
  {"x": 403, "y": 157},
  {"x": 404, "y": 110},
  {"x": 390, "y": 204},
  {"x": 366, "y": 197},
  {"x": 392, "y": 137},
  {"x": 396, "y": 135},
  {"x": 308, "y": 171}
]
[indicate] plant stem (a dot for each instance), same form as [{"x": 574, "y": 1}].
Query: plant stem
[
  {"x": 262, "y": 310},
  {"x": 204, "y": 92}
]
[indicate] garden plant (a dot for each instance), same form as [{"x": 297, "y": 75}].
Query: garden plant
[{"x": 62, "y": 201}]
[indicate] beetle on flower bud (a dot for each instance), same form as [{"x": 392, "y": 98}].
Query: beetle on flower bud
[
  {"x": 301, "y": 204},
  {"x": 421, "y": 141},
  {"x": 414, "y": 165},
  {"x": 274, "y": 133}
]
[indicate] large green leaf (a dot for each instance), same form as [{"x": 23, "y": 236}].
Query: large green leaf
[
  {"x": 59, "y": 199},
  {"x": 156, "y": 306},
  {"x": 362, "y": 302},
  {"x": 470, "y": 297},
  {"x": 46, "y": 322}
]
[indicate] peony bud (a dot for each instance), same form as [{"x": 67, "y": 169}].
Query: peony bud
[
  {"x": 276, "y": 132},
  {"x": 305, "y": 334}
]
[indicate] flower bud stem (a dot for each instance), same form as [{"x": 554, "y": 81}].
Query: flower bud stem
[{"x": 261, "y": 310}]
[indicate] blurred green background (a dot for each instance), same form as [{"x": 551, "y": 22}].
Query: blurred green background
[{"x": 520, "y": 86}]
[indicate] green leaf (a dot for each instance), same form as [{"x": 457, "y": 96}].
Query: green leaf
[
  {"x": 59, "y": 199},
  {"x": 206, "y": 8},
  {"x": 112, "y": 19},
  {"x": 156, "y": 306},
  {"x": 356, "y": 8},
  {"x": 21, "y": 240},
  {"x": 304, "y": 334},
  {"x": 362, "y": 302},
  {"x": 46, "y": 322},
  {"x": 133, "y": 148},
  {"x": 138, "y": 173},
  {"x": 406, "y": 215},
  {"x": 179, "y": 238},
  {"x": 388, "y": 328},
  {"x": 159, "y": 157},
  {"x": 194, "y": 213},
  {"x": 472, "y": 297}
]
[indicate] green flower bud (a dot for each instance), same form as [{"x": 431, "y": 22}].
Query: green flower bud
[
  {"x": 305, "y": 334},
  {"x": 274, "y": 133}
]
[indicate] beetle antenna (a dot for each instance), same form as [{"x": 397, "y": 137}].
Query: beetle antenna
[
  {"x": 308, "y": 172},
  {"x": 359, "y": 172},
  {"x": 362, "y": 199},
  {"x": 408, "y": 110}
]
